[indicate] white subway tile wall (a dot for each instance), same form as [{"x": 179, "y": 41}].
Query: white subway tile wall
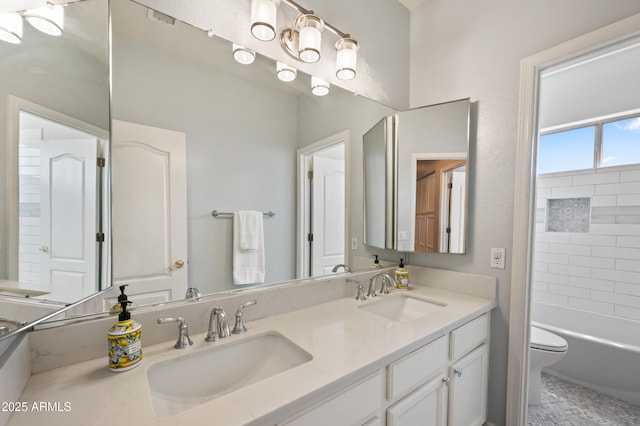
[
  {"x": 597, "y": 270},
  {"x": 29, "y": 215}
]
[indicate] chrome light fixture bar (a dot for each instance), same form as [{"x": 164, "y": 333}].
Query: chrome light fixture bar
[{"x": 303, "y": 40}]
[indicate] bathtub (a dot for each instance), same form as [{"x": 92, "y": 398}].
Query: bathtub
[{"x": 604, "y": 351}]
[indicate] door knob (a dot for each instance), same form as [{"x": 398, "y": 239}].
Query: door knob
[
  {"x": 44, "y": 249},
  {"x": 458, "y": 372},
  {"x": 177, "y": 264}
]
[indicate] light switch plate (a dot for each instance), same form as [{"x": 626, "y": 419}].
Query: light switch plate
[
  {"x": 354, "y": 243},
  {"x": 498, "y": 258}
]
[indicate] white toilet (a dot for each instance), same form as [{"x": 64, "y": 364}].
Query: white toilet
[{"x": 546, "y": 349}]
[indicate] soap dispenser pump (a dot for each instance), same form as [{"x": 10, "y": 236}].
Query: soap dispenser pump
[
  {"x": 125, "y": 346},
  {"x": 376, "y": 262}
]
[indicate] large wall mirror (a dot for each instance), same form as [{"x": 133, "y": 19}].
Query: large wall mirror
[
  {"x": 416, "y": 173},
  {"x": 236, "y": 132},
  {"x": 54, "y": 205}
]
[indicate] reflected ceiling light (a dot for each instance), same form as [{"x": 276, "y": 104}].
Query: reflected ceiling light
[
  {"x": 285, "y": 72},
  {"x": 263, "y": 19},
  {"x": 49, "y": 18},
  {"x": 243, "y": 55},
  {"x": 346, "y": 58},
  {"x": 319, "y": 87},
  {"x": 11, "y": 27}
]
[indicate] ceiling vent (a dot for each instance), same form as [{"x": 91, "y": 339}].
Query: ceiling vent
[{"x": 154, "y": 15}]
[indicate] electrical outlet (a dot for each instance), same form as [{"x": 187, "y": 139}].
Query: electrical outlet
[
  {"x": 354, "y": 243},
  {"x": 498, "y": 258}
]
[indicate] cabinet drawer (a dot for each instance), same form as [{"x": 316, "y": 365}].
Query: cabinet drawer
[
  {"x": 469, "y": 336},
  {"x": 355, "y": 404},
  {"x": 415, "y": 368}
]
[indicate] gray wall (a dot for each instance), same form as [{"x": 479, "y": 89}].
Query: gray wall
[
  {"x": 241, "y": 143},
  {"x": 463, "y": 48}
]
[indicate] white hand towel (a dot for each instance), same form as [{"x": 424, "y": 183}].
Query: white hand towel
[
  {"x": 248, "y": 265},
  {"x": 249, "y": 222}
]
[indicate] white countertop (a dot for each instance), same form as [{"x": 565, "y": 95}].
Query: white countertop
[{"x": 345, "y": 342}]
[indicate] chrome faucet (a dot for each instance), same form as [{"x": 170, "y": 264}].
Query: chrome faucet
[
  {"x": 192, "y": 293},
  {"x": 239, "y": 328},
  {"x": 183, "y": 332},
  {"x": 218, "y": 326},
  {"x": 341, "y": 265},
  {"x": 371, "y": 292}
]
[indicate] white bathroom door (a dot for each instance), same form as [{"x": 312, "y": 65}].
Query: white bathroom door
[
  {"x": 149, "y": 201},
  {"x": 328, "y": 218},
  {"x": 68, "y": 185},
  {"x": 457, "y": 211}
]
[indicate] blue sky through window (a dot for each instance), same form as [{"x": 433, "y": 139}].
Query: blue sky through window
[
  {"x": 568, "y": 150},
  {"x": 621, "y": 142}
]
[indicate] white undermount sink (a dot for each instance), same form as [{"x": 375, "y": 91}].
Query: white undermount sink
[
  {"x": 403, "y": 308},
  {"x": 181, "y": 383}
]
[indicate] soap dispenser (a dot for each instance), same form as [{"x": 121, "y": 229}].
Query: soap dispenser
[
  {"x": 402, "y": 277},
  {"x": 376, "y": 263},
  {"x": 125, "y": 346}
]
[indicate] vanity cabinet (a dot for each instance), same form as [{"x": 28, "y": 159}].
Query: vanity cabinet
[
  {"x": 443, "y": 383},
  {"x": 456, "y": 395}
]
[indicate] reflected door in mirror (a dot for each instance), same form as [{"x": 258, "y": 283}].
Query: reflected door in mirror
[{"x": 149, "y": 213}]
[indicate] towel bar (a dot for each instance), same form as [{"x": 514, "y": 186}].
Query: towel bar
[{"x": 216, "y": 213}]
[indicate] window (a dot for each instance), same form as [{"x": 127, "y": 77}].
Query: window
[
  {"x": 568, "y": 150},
  {"x": 601, "y": 144},
  {"x": 621, "y": 142}
]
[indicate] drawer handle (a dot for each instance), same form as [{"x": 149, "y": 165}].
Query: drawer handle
[
  {"x": 458, "y": 372},
  {"x": 446, "y": 381}
]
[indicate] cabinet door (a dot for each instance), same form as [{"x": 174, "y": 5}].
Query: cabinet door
[
  {"x": 425, "y": 406},
  {"x": 468, "y": 391},
  {"x": 354, "y": 406}
]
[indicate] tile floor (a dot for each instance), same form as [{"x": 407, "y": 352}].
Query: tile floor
[{"x": 565, "y": 403}]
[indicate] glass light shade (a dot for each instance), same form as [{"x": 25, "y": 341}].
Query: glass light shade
[
  {"x": 319, "y": 87},
  {"x": 263, "y": 19},
  {"x": 285, "y": 72},
  {"x": 243, "y": 55},
  {"x": 346, "y": 58},
  {"x": 11, "y": 27},
  {"x": 310, "y": 38},
  {"x": 49, "y": 19}
]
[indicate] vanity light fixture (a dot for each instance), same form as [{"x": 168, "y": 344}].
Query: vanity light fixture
[
  {"x": 263, "y": 19},
  {"x": 319, "y": 87},
  {"x": 48, "y": 18},
  {"x": 285, "y": 72},
  {"x": 243, "y": 55},
  {"x": 303, "y": 41},
  {"x": 11, "y": 27},
  {"x": 346, "y": 58}
]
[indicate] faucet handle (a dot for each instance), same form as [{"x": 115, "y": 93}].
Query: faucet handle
[
  {"x": 360, "y": 295},
  {"x": 239, "y": 328},
  {"x": 183, "y": 332}
]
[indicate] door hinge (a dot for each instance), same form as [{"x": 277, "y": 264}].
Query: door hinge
[
  {"x": 101, "y": 162},
  {"x": 310, "y": 174},
  {"x": 310, "y": 237},
  {"x": 448, "y": 230},
  {"x": 100, "y": 237},
  {"x": 450, "y": 185}
]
